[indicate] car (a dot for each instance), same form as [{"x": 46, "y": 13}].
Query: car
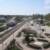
[{"x": 11, "y": 24}]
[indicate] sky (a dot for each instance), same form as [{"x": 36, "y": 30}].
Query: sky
[{"x": 24, "y": 7}]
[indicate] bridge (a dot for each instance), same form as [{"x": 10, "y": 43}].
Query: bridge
[{"x": 9, "y": 35}]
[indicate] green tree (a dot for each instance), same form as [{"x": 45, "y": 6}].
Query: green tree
[{"x": 47, "y": 17}]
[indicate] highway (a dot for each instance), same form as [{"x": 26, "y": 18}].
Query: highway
[
  {"x": 37, "y": 28},
  {"x": 8, "y": 36},
  {"x": 10, "y": 32}
]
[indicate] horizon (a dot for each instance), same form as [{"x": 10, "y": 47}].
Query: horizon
[{"x": 24, "y": 7}]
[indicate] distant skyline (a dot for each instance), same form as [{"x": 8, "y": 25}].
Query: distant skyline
[{"x": 24, "y": 7}]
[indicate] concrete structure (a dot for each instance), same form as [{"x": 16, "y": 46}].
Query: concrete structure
[{"x": 9, "y": 36}]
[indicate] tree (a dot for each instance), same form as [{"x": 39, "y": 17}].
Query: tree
[
  {"x": 47, "y": 17},
  {"x": 18, "y": 19},
  {"x": 37, "y": 16}
]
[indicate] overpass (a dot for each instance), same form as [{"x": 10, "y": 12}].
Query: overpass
[{"x": 8, "y": 36}]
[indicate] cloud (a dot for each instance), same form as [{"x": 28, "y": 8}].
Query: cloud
[
  {"x": 47, "y": 6},
  {"x": 47, "y": 1}
]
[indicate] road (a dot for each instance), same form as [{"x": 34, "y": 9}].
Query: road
[
  {"x": 37, "y": 28},
  {"x": 6, "y": 37},
  {"x": 10, "y": 32}
]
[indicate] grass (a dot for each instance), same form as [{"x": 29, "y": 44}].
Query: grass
[
  {"x": 15, "y": 48},
  {"x": 2, "y": 28},
  {"x": 1, "y": 24},
  {"x": 48, "y": 24}
]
